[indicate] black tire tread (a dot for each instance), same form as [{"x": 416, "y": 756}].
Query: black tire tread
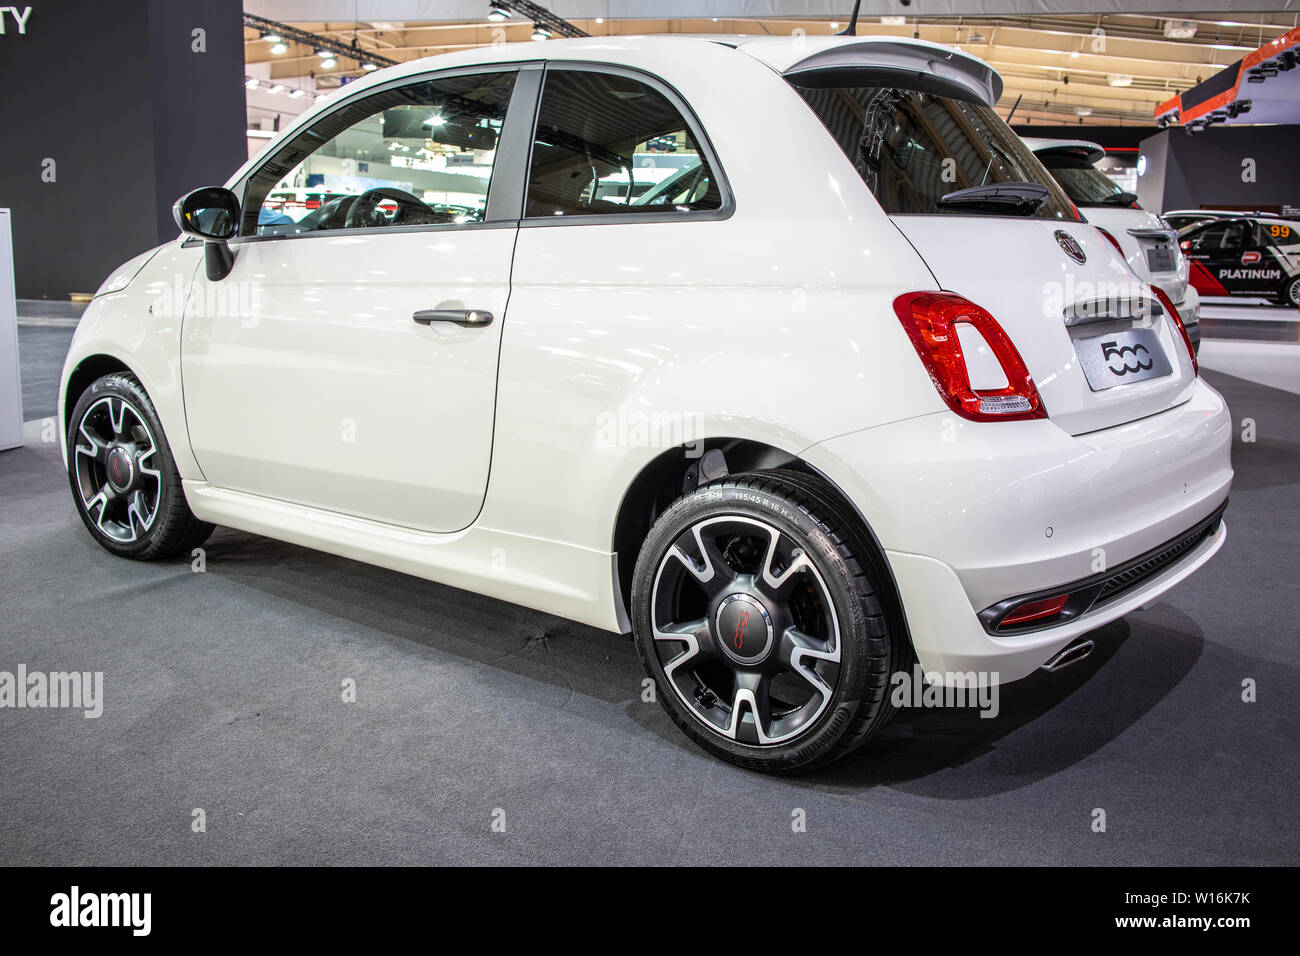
[
  {"x": 176, "y": 529},
  {"x": 814, "y": 497}
]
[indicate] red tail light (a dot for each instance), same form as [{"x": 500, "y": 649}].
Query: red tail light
[
  {"x": 1113, "y": 241},
  {"x": 1178, "y": 324},
  {"x": 931, "y": 320}
]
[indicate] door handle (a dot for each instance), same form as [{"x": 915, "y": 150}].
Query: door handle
[{"x": 467, "y": 318}]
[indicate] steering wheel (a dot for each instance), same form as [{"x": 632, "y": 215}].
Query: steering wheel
[{"x": 365, "y": 208}]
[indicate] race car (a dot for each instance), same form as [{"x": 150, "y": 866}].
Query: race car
[
  {"x": 1245, "y": 256},
  {"x": 1182, "y": 218}
]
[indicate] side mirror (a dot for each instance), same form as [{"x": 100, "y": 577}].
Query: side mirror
[{"x": 210, "y": 214}]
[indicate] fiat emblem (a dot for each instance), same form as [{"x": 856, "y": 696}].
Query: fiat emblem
[{"x": 1070, "y": 245}]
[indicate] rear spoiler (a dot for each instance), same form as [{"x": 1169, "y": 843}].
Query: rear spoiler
[{"x": 888, "y": 61}]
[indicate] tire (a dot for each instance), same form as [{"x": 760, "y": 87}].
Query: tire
[
  {"x": 123, "y": 476},
  {"x": 1290, "y": 294},
  {"x": 804, "y": 639}
]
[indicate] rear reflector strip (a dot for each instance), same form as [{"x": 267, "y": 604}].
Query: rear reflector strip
[{"x": 1036, "y": 611}]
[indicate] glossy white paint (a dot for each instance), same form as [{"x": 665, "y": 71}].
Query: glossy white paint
[
  {"x": 139, "y": 326},
  {"x": 309, "y": 381},
  {"x": 1016, "y": 270},
  {"x": 622, "y": 339},
  {"x": 1118, "y": 220}
]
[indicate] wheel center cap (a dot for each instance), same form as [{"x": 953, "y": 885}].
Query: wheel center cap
[
  {"x": 120, "y": 468},
  {"x": 743, "y": 629}
]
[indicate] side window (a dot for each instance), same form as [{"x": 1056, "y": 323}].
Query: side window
[
  {"x": 1234, "y": 235},
  {"x": 607, "y": 144},
  {"x": 1221, "y": 235},
  {"x": 418, "y": 154}
]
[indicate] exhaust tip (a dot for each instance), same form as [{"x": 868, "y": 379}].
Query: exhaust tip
[{"x": 1070, "y": 654}]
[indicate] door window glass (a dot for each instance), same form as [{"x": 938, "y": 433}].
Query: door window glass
[
  {"x": 1220, "y": 236},
  {"x": 607, "y": 144},
  {"x": 420, "y": 154}
]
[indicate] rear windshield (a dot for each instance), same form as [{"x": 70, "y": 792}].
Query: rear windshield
[
  {"x": 1083, "y": 182},
  {"x": 913, "y": 148}
]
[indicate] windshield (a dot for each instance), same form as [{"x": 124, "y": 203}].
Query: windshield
[
  {"x": 1083, "y": 182},
  {"x": 913, "y": 148}
]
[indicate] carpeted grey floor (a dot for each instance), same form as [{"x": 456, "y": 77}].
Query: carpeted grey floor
[
  {"x": 41, "y": 348},
  {"x": 223, "y": 692}
]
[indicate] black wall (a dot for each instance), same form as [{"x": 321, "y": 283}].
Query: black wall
[
  {"x": 132, "y": 117},
  {"x": 1204, "y": 170}
]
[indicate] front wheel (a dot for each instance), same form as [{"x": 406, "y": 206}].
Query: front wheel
[
  {"x": 124, "y": 479},
  {"x": 757, "y": 611}
]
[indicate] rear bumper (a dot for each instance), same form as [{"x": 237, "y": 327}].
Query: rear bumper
[
  {"x": 948, "y": 636},
  {"x": 973, "y": 514}
]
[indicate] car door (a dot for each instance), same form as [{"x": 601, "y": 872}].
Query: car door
[
  {"x": 348, "y": 362},
  {"x": 1214, "y": 252}
]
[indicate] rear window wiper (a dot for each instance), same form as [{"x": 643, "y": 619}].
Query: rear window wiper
[{"x": 1008, "y": 199}]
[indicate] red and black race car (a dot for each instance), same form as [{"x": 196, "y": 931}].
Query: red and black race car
[{"x": 1251, "y": 256}]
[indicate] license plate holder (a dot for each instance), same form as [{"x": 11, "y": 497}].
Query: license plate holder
[{"x": 1121, "y": 358}]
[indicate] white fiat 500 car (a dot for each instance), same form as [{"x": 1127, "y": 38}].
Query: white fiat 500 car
[
  {"x": 842, "y": 391},
  {"x": 1147, "y": 243}
]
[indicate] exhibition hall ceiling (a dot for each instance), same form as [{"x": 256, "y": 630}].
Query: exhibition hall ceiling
[{"x": 1066, "y": 68}]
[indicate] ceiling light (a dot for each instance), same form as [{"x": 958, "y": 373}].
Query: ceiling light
[
  {"x": 369, "y": 67},
  {"x": 541, "y": 32},
  {"x": 251, "y": 83},
  {"x": 1180, "y": 29},
  {"x": 294, "y": 94},
  {"x": 1119, "y": 79},
  {"x": 278, "y": 88},
  {"x": 498, "y": 12},
  {"x": 600, "y": 19},
  {"x": 889, "y": 21},
  {"x": 280, "y": 47},
  {"x": 1083, "y": 111},
  {"x": 435, "y": 120},
  {"x": 1074, "y": 54},
  {"x": 270, "y": 37},
  {"x": 328, "y": 63}
]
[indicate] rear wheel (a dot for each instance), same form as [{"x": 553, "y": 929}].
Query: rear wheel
[
  {"x": 757, "y": 611},
  {"x": 1290, "y": 294},
  {"x": 124, "y": 479}
]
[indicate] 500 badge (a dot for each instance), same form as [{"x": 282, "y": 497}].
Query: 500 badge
[{"x": 1121, "y": 357}]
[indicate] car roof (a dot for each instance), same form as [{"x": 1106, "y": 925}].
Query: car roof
[
  {"x": 784, "y": 54},
  {"x": 943, "y": 68},
  {"x": 1253, "y": 217}
]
